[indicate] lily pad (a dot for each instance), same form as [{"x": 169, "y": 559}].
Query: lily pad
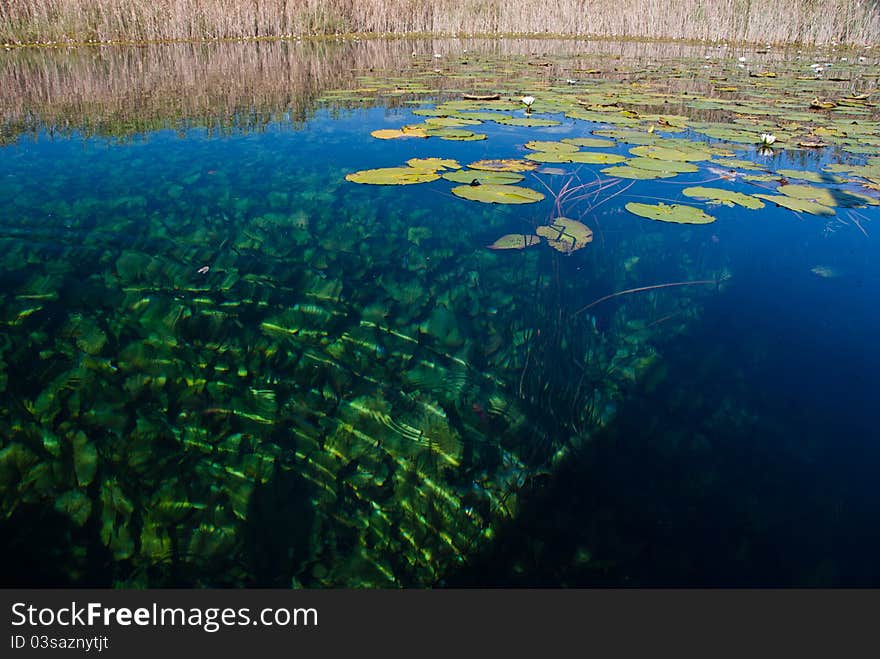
[
  {"x": 528, "y": 122},
  {"x": 726, "y": 197},
  {"x": 655, "y": 165},
  {"x": 669, "y": 153},
  {"x": 395, "y": 133},
  {"x": 566, "y": 235},
  {"x": 589, "y": 142},
  {"x": 677, "y": 213},
  {"x": 393, "y": 176},
  {"x": 797, "y": 205},
  {"x": 515, "y": 241},
  {"x": 507, "y": 165},
  {"x": 544, "y": 145},
  {"x": 624, "y": 171},
  {"x": 498, "y": 194},
  {"x": 470, "y": 176},
  {"x": 827, "y": 196},
  {"x": 433, "y": 164}
]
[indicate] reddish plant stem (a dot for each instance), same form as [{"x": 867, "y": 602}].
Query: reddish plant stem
[{"x": 640, "y": 289}]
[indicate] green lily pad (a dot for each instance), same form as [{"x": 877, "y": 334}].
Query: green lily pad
[
  {"x": 677, "y": 213},
  {"x": 433, "y": 164},
  {"x": 798, "y": 205},
  {"x": 393, "y": 176},
  {"x": 451, "y": 122},
  {"x": 726, "y": 197},
  {"x": 566, "y": 235},
  {"x": 457, "y": 135},
  {"x": 498, "y": 194},
  {"x": 803, "y": 175},
  {"x": 483, "y": 177},
  {"x": 669, "y": 153},
  {"x": 544, "y": 145},
  {"x": 504, "y": 165},
  {"x": 528, "y": 122},
  {"x": 655, "y": 165},
  {"x": 515, "y": 241},
  {"x": 827, "y": 196},
  {"x": 624, "y": 171},
  {"x": 735, "y": 163},
  {"x": 589, "y": 142},
  {"x": 588, "y": 157}
]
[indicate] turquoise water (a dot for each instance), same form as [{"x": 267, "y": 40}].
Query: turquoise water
[{"x": 225, "y": 364}]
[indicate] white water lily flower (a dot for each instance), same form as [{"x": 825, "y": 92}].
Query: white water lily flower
[
  {"x": 767, "y": 139},
  {"x": 528, "y": 100}
]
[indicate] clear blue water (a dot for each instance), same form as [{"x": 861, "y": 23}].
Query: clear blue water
[{"x": 224, "y": 364}]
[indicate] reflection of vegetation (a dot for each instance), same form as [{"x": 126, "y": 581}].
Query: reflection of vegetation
[{"x": 840, "y": 21}]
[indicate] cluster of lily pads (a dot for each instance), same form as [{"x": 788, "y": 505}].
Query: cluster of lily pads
[{"x": 760, "y": 115}]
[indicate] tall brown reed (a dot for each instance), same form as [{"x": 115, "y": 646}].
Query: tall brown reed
[{"x": 757, "y": 21}]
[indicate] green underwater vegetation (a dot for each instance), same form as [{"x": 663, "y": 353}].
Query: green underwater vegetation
[{"x": 339, "y": 356}]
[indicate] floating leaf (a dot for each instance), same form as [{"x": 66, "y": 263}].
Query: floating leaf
[
  {"x": 678, "y": 213},
  {"x": 587, "y": 157},
  {"x": 394, "y": 133},
  {"x": 498, "y": 194},
  {"x": 393, "y": 176},
  {"x": 543, "y": 145},
  {"x": 669, "y": 153},
  {"x": 589, "y": 142},
  {"x": 457, "y": 135},
  {"x": 528, "y": 122},
  {"x": 798, "y": 205},
  {"x": 726, "y": 197},
  {"x": 433, "y": 164},
  {"x": 677, "y": 167},
  {"x": 815, "y": 177},
  {"x": 508, "y": 165},
  {"x": 451, "y": 122},
  {"x": 515, "y": 241},
  {"x": 469, "y": 176},
  {"x": 827, "y": 196},
  {"x": 566, "y": 235},
  {"x": 625, "y": 171}
]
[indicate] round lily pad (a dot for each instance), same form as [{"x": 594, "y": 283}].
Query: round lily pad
[
  {"x": 677, "y": 213},
  {"x": 797, "y": 205},
  {"x": 394, "y": 133},
  {"x": 669, "y": 153},
  {"x": 515, "y": 241},
  {"x": 393, "y": 176},
  {"x": 625, "y": 171},
  {"x": 827, "y": 196},
  {"x": 504, "y": 165},
  {"x": 589, "y": 142},
  {"x": 548, "y": 146},
  {"x": 433, "y": 164},
  {"x": 566, "y": 235},
  {"x": 470, "y": 176},
  {"x": 726, "y": 197},
  {"x": 655, "y": 165},
  {"x": 528, "y": 122},
  {"x": 498, "y": 194}
]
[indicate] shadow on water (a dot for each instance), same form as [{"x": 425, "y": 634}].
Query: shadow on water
[{"x": 748, "y": 464}]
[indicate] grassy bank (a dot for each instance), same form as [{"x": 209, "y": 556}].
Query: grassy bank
[{"x": 778, "y": 21}]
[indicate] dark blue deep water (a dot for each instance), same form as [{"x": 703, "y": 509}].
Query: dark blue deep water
[{"x": 222, "y": 363}]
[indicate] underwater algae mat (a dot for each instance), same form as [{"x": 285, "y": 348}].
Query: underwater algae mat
[{"x": 275, "y": 359}]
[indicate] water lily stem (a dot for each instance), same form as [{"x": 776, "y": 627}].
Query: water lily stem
[{"x": 640, "y": 289}]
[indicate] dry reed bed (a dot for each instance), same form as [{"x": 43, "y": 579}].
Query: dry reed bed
[{"x": 756, "y": 21}]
